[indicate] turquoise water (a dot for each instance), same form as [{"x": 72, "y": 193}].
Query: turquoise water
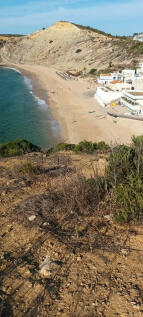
[{"x": 22, "y": 115}]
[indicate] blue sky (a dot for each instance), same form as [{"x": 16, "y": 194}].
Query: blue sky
[{"x": 112, "y": 16}]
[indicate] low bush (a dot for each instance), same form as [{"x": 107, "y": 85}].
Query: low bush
[
  {"x": 98, "y": 185},
  {"x": 137, "y": 154},
  {"x": 78, "y": 50},
  {"x": 119, "y": 165},
  {"x": 93, "y": 71},
  {"x": 128, "y": 199},
  {"x": 125, "y": 179},
  {"x": 30, "y": 169},
  {"x": 85, "y": 146},
  {"x": 18, "y": 147},
  {"x": 61, "y": 147},
  {"x": 79, "y": 195},
  {"x": 102, "y": 146}
]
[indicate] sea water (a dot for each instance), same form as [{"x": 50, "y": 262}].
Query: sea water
[{"x": 23, "y": 115}]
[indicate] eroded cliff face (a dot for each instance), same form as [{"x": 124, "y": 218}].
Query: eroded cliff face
[{"x": 67, "y": 46}]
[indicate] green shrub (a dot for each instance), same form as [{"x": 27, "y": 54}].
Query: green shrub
[
  {"x": 137, "y": 153},
  {"x": 61, "y": 147},
  {"x": 98, "y": 186},
  {"x": 128, "y": 198},
  {"x": 17, "y": 147},
  {"x": 84, "y": 146},
  {"x": 93, "y": 71},
  {"x": 102, "y": 146},
  {"x": 119, "y": 165},
  {"x": 78, "y": 50}
]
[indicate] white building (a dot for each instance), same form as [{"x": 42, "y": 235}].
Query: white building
[
  {"x": 105, "y": 96},
  {"x": 138, "y": 83},
  {"x": 138, "y": 37},
  {"x": 104, "y": 79},
  {"x": 128, "y": 75},
  {"x": 133, "y": 100},
  {"x": 139, "y": 71}
]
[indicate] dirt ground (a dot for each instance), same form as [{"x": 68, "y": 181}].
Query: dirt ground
[{"x": 95, "y": 267}]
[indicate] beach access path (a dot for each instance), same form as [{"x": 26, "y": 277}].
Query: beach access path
[{"x": 72, "y": 103}]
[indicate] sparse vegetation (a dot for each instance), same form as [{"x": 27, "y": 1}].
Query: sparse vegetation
[
  {"x": 129, "y": 199},
  {"x": 49, "y": 209},
  {"x": 125, "y": 177},
  {"x": 93, "y": 71},
  {"x": 61, "y": 147},
  {"x": 83, "y": 146},
  {"x": 99, "y": 31},
  {"x": 101, "y": 146},
  {"x": 30, "y": 168},
  {"x": 123, "y": 180},
  {"x": 17, "y": 147}
]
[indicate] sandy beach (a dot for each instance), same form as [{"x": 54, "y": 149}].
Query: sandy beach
[{"x": 78, "y": 113}]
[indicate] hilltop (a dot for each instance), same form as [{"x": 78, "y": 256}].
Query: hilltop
[{"x": 69, "y": 46}]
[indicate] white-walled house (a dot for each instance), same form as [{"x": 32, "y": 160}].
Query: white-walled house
[
  {"x": 139, "y": 70},
  {"x": 128, "y": 75},
  {"x": 104, "y": 79},
  {"x": 104, "y": 96},
  {"x": 138, "y": 83},
  {"x": 133, "y": 100}
]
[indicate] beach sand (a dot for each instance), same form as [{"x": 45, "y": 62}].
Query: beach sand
[{"x": 71, "y": 102}]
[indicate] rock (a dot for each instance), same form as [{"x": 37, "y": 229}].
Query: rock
[
  {"x": 78, "y": 259},
  {"x": 45, "y": 224},
  {"x": 31, "y": 218},
  {"x": 108, "y": 217},
  {"x": 3, "y": 193},
  {"x": 45, "y": 267},
  {"x": 135, "y": 304},
  {"x": 124, "y": 251}
]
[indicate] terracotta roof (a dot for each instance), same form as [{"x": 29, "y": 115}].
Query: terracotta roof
[
  {"x": 116, "y": 82},
  {"x": 105, "y": 75}
]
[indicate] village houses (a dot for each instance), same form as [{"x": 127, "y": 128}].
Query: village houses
[{"x": 126, "y": 88}]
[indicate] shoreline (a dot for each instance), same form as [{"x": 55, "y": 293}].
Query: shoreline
[
  {"x": 79, "y": 115},
  {"x": 40, "y": 92}
]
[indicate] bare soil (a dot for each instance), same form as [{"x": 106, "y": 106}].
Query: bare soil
[{"x": 96, "y": 266}]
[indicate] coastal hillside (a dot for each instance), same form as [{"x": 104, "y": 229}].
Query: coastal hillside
[
  {"x": 67, "y": 46},
  {"x": 71, "y": 242},
  {"x": 6, "y": 37}
]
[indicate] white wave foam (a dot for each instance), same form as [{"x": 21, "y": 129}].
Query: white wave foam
[
  {"x": 14, "y": 69},
  {"x": 41, "y": 102},
  {"x": 28, "y": 83}
]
